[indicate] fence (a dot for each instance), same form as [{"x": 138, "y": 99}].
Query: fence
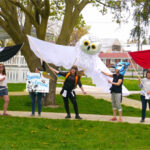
[{"x": 16, "y": 69}]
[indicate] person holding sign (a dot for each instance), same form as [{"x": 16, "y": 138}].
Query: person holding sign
[
  {"x": 4, "y": 88},
  {"x": 72, "y": 79},
  {"x": 33, "y": 86},
  {"x": 144, "y": 84}
]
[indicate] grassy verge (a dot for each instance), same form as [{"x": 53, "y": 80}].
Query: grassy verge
[
  {"x": 135, "y": 96},
  {"x": 13, "y": 87},
  {"x": 43, "y": 134},
  {"x": 86, "y": 104},
  {"x": 131, "y": 85},
  {"x": 20, "y": 87}
]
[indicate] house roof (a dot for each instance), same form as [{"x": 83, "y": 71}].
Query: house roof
[
  {"x": 114, "y": 55},
  {"x": 107, "y": 43},
  {"x": 133, "y": 47}
]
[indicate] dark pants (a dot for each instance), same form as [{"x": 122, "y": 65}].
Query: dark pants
[
  {"x": 33, "y": 96},
  {"x": 144, "y": 105},
  {"x": 72, "y": 97}
]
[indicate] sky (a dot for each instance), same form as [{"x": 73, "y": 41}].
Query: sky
[{"x": 103, "y": 27}]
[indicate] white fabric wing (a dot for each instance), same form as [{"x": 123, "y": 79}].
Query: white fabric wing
[
  {"x": 93, "y": 67},
  {"x": 66, "y": 56},
  {"x": 100, "y": 66},
  {"x": 52, "y": 53}
]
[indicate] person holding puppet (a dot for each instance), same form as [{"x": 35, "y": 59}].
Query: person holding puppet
[
  {"x": 72, "y": 79},
  {"x": 116, "y": 88}
]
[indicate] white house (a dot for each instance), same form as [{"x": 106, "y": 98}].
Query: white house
[{"x": 16, "y": 68}]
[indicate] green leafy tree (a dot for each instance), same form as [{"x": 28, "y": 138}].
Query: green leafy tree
[
  {"x": 36, "y": 14},
  {"x": 141, "y": 20}
]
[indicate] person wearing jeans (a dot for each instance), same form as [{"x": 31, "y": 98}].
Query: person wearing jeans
[
  {"x": 144, "y": 84},
  {"x": 38, "y": 96},
  {"x": 33, "y": 96},
  {"x": 144, "y": 106}
]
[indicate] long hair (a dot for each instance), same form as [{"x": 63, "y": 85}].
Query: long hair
[
  {"x": 148, "y": 71},
  {"x": 75, "y": 68},
  {"x": 4, "y": 70}
]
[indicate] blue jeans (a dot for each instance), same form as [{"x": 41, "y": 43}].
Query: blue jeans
[
  {"x": 144, "y": 105},
  {"x": 33, "y": 96}
]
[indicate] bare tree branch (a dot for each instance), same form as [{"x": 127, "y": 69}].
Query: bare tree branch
[
  {"x": 36, "y": 6},
  {"x": 99, "y": 1},
  {"x": 26, "y": 12},
  {"x": 3, "y": 23}
]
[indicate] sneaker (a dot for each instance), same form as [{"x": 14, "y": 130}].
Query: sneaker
[
  {"x": 68, "y": 116},
  {"x": 32, "y": 115},
  {"x": 78, "y": 117},
  {"x": 142, "y": 120}
]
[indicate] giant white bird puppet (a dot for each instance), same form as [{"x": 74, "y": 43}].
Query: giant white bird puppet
[{"x": 84, "y": 55}]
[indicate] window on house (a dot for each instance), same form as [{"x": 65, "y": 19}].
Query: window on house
[{"x": 113, "y": 61}]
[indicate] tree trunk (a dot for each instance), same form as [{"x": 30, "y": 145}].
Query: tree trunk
[
  {"x": 50, "y": 98},
  {"x": 9, "y": 22}
]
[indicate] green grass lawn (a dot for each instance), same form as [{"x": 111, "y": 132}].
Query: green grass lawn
[
  {"x": 43, "y": 134},
  {"x": 86, "y": 104},
  {"x": 135, "y": 96},
  {"x": 131, "y": 85},
  {"x": 19, "y": 87},
  {"x": 13, "y": 87}
]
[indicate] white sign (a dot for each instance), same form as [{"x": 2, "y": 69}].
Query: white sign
[{"x": 37, "y": 83}]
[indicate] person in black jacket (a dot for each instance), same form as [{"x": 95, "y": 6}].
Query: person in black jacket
[{"x": 72, "y": 79}]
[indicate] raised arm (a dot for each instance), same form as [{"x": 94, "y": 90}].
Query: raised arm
[
  {"x": 140, "y": 82},
  {"x": 107, "y": 74},
  {"x": 116, "y": 83},
  {"x": 56, "y": 71}
]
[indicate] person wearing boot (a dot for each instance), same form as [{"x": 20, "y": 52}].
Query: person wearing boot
[{"x": 72, "y": 79}]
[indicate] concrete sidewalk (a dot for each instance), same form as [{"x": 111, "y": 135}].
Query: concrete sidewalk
[{"x": 91, "y": 117}]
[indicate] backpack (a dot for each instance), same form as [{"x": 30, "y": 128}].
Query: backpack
[{"x": 76, "y": 79}]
